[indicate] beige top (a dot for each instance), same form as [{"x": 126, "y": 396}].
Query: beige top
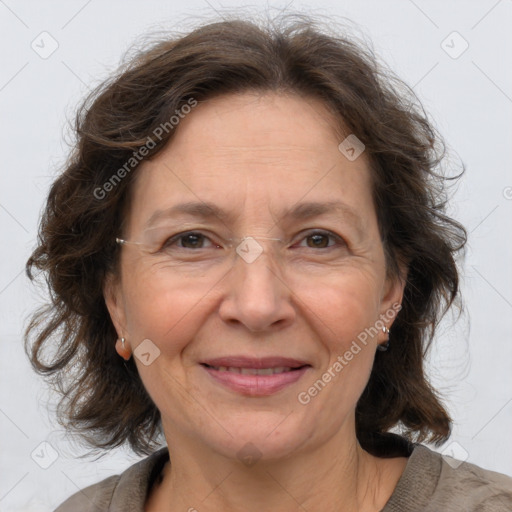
[{"x": 428, "y": 484}]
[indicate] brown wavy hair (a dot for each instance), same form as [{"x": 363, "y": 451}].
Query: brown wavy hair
[{"x": 71, "y": 339}]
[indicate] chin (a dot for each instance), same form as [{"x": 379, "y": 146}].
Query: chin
[{"x": 259, "y": 436}]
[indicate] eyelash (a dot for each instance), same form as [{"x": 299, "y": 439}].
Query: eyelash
[{"x": 171, "y": 241}]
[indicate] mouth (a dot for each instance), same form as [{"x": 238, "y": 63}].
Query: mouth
[
  {"x": 254, "y": 371},
  {"x": 255, "y": 377}
]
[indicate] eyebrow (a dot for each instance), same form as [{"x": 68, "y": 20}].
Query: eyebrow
[{"x": 302, "y": 211}]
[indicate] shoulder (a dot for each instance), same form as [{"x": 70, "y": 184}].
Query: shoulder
[
  {"x": 476, "y": 488},
  {"x": 93, "y": 498},
  {"x": 126, "y": 491},
  {"x": 432, "y": 482}
]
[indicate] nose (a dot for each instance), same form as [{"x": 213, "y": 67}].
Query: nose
[{"x": 257, "y": 295}]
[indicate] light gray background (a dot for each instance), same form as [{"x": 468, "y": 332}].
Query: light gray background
[{"x": 470, "y": 99}]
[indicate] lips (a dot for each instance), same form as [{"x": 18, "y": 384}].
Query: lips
[
  {"x": 244, "y": 362},
  {"x": 255, "y": 376},
  {"x": 252, "y": 371}
]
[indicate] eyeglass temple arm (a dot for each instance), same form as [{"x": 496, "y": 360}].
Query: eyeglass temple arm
[{"x": 121, "y": 241}]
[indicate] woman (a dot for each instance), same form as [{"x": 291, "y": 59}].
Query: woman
[{"x": 248, "y": 254}]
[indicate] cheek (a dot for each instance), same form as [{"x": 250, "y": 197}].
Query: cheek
[
  {"x": 169, "y": 314},
  {"x": 165, "y": 311},
  {"x": 343, "y": 313},
  {"x": 344, "y": 306}
]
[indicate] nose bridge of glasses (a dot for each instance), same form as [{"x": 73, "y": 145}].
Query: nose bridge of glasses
[{"x": 249, "y": 248}]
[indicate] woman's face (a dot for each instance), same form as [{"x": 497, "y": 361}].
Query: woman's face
[{"x": 304, "y": 303}]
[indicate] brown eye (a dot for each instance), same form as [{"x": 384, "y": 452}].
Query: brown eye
[
  {"x": 318, "y": 241},
  {"x": 190, "y": 240},
  {"x": 321, "y": 239}
]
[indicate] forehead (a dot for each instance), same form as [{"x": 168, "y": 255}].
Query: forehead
[
  {"x": 262, "y": 126},
  {"x": 254, "y": 153}
]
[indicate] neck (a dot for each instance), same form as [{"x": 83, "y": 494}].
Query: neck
[{"x": 339, "y": 475}]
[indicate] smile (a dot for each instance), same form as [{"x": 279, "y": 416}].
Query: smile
[
  {"x": 253, "y": 371},
  {"x": 255, "y": 381}
]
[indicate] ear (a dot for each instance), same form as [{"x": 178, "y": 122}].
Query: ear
[
  {"x": 393, "y": 294},
  {"x": 113, "y": 295}
]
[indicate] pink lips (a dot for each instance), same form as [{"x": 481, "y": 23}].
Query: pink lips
[
  {"x": 255, "y": 362},
  {"x": 255, "y": 376}
]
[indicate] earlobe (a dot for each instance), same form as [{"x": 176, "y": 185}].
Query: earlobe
[
  {"x": 114, "y": 303},
  {"x": 391, "y": 304},
  {"x": 122, "y": 349},
  {"x": 393, "y": 295}
]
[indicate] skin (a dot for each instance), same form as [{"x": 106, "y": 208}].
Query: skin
[{"x": 255, "y": 155}]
